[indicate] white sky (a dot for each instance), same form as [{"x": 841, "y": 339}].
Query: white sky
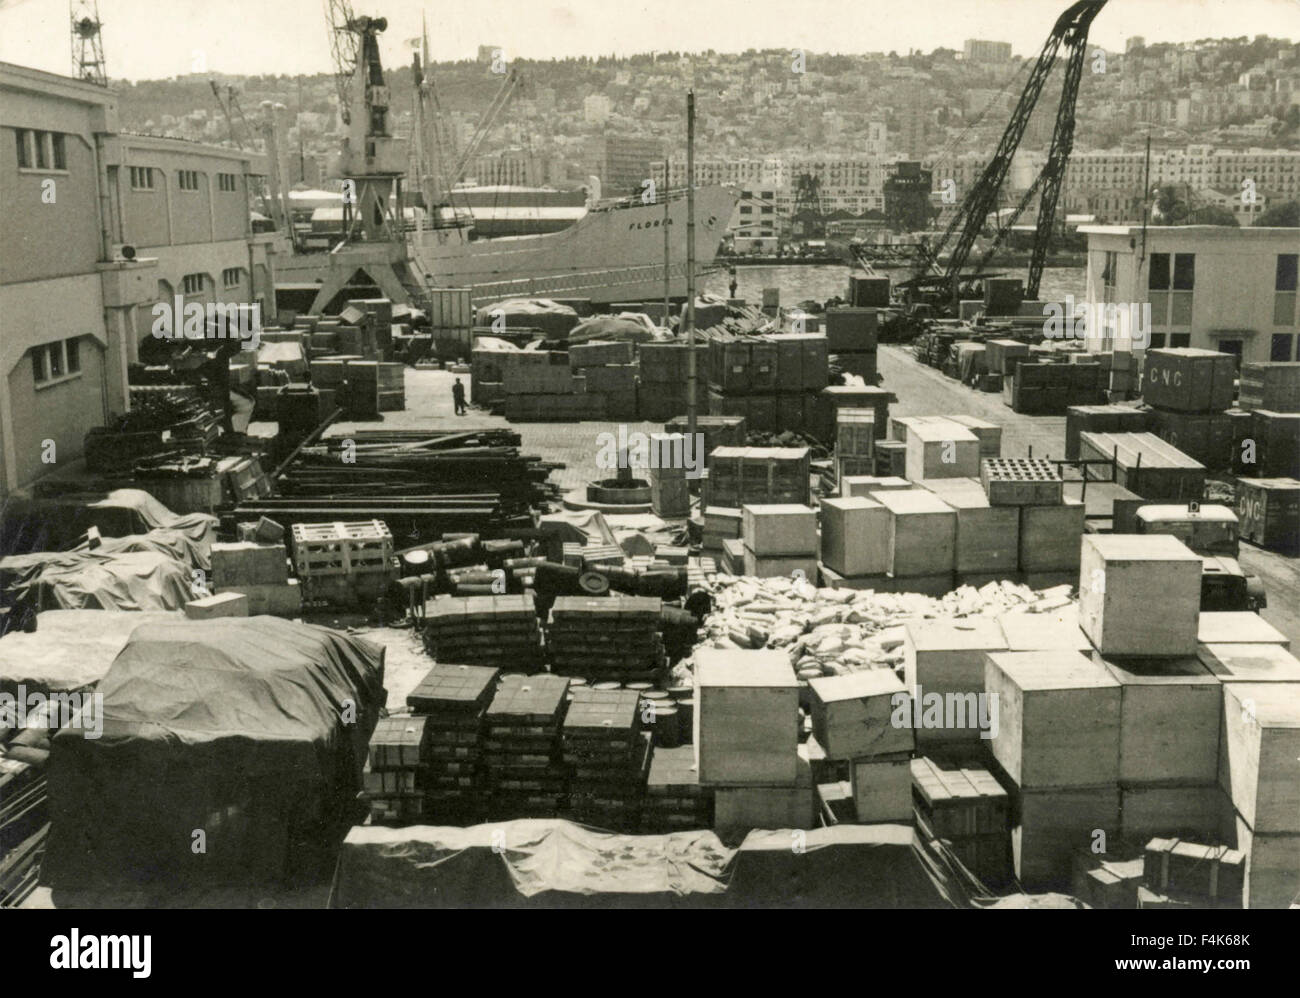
[{"x": 151, "y": 39}]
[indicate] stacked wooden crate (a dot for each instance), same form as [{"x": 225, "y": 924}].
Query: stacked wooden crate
[
  {"x": 608, "y": 757},
  {"x": 988, "y": 536},
  {"x": 1102, "y": 419},
  {"x": 674, "y": 798},
  {"x": 854, "y": 721},
  {"x": 855, "y": 436},
  {"x": 854, "y": 537},
  {"x": 452, "y": 700},
  {"x": 523, "y": 768},
  {"x": 1189, "y": 391},
  {"x": 740, "y": 475},
  {"x": 1146, "y": 465},
  {"x": 1182, "y": 874},
  {"x": 670, "y": 495},
  {"x": 780, "y": 540},
  {"x": 945, "y": 659},
  {"x": 610, "y": 371},
  {"x": 1268, "y": 512},
  {"x": 1051, "y": 523},
  {"x": 260, "y": 572},
  {"x": 962, "y": 804},
  {"x": 835, "y": 397},
  {"x": 891, "y": 458},
  {"x": 854, "y": 486},
  {"x": 392, "y": 387},
  {"x": 721, "y": 523},
  {"x": 1051, "y": 388},
  {"x": 940, "y": 448},
  {"x": 851, "y": 335},
  {"x": 1057, "y": 742},
  {"x": 747, "y": 740},
  {"x": 772, "y": 381},
  {"x": 922, "y": 540},
  {"x": 663, "y": 386},
  {"x": 483, "y": 630},
  {"x": 342, "y": 563},
  {"x": 393, "y": 779},
  {"x": 1277, "y": 444},
  {"x": 611, "y": 638}
]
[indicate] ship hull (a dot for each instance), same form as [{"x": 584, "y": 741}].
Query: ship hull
[{"x": 609, "y": 255}]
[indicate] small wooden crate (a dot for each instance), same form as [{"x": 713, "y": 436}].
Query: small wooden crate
[
  {"x": 339, "y": 548},
  {"x": 852, "y": 714},
  {"x": 1021, "y": 481}
]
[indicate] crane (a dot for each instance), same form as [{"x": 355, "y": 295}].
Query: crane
[
  {"x": 230, "y": 110},
  {"x": 499, "y": 102},
  {"x": 344, "y": 46},
  {"x": 1070, "y": 30}
]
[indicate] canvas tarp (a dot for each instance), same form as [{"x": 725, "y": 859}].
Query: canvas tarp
[
  {"x": 550, "y": 863},
  {"x": 626, "y": 327},
  {"x": 251, "y": 731},
  {"x": 150, "y": 514},
  {"x": 92, "y": 580}
]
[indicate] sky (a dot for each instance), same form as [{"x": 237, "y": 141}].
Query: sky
[{"x": 152, "y": 39}]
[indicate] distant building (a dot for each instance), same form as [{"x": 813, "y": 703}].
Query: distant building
[
  {"x": 976, "y": 50},
  {"x": 907, "y": 197},
  {"x": 623, "y": 163},
  {"x": 100, "y": 226},
  {"x": 756, "y": 223},
  {"x": 596, "y": 109},
  {"x": 1210, "y": 286}
]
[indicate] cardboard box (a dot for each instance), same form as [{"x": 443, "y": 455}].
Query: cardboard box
[
  {"x": 746, "y": 717},
  {"x": 853, "y": 714},
  {"x": 1139, "y": 595},
  {"x": 855, "y": 536},
  {"x": 1058, "y": 719}
]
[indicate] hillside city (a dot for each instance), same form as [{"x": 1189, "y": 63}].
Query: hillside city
[{"x": 1217, "y": 113}]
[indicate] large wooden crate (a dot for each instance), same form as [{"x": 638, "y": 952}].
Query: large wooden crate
[
  {"x": 1050, "y": 824},
  {"x": 1277, "y": 443},
  {"x": 1238, "y": 627},
  {"x": 1269, "y": 512},
  {"x": 855, "y": 536},
  {"x": 941, "y": 449},
  {"x": 1250, "y": 663},
  {"x": 1273, "y": 385},
  {"x": 988, "y": 537},
  {"x": 746, "y": 718},
  {"x": 740, "y": 475},
  {"x": 1145, "y": 464},
  {"x": 1103, "y": 419},
  {"x": 922, "y": 533},
  {"x": 1044, "y": 631},
  {"x": 855, "y": 432},
  {"x": 835, "y": 397},
  {"x": 1050, "y": 536},
  {"x": 1259, "y": 766},
  {"x": 1188, "y": 379},
  {"x": 1272, "y": 866},
  {"x": 1203, "y": 436},
  {"x": 739, "y": 810},
  {"x": 1139, "y": 595},
  {"x": 1058, "y": 719},
  {"x": 341, "y": 548},
  {"x": 851, "y": 329},
  {"x": 882, "y": 789},
  {"x": 779, "y": 529},
  {"x": 989, "y": 434},
  {"x": 246, "y": 563},
  {"x": 947, "y": 658},
  {"x": 1169, "y": 719},
  {"x": 852, "y": 715},
  {"x": 1186, "y": 811}
]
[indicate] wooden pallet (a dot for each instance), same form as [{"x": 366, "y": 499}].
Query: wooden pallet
[{"x": 341, "y": 548}]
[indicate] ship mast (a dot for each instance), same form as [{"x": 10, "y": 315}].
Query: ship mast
[{"x": 690, "y": 265}]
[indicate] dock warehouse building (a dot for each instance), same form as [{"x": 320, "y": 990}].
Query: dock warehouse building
[
  {"x": 100, "y": 226},
  {"x": 1214, "y": 287}
]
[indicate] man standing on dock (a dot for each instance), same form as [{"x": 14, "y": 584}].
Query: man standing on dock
[
  {"x": 732, "y": 285},
  {"x": 458, "y": 396}
]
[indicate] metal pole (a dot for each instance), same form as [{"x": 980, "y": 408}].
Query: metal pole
[
  {"x": 667, "y": 294},
  {"x": 690, "y": 264}
]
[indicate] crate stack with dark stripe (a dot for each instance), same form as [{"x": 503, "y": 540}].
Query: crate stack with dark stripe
[
  {"x": 395, "y": 770},
  {"x": 522, "y": 763},
  {"x": 674, "y": 799},
  {"x": 452, "y": 700},
  {"x": 607, "y": 638},
  {"x": 483, "y": 630},
  {"x": 608, "y": 757}
]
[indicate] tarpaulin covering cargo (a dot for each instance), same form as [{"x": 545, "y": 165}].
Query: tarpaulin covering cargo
[
  {"x": 55, "y": 523},
  {"x": 626, "y": 327},
  {"x": 550, "y": 863},
  {"x": 243, "y": 737},
  {"x": 551, "y": 318},
  {"x": 92, "y": 580}
]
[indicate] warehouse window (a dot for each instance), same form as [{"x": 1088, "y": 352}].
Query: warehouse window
[
  {"x": 58, "y": 151},
  {"x": 54, "y": 362},
  {"x": 1284, "y": 289},
  {"x": 227, "y": 182},
  {"x": 192, "y": 284},
  {"x": 1180, "y": 339},
  {"x": 142, "y": 178},
  {"x": 1157, "y": 341},
  {"x": 42, "y": 150},
  {"x": 24, "y": 139},
  {"x": 1280, "y": 351},
  {"x": 230, "y": 277},
  {"x": 188, "y": 180}
]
